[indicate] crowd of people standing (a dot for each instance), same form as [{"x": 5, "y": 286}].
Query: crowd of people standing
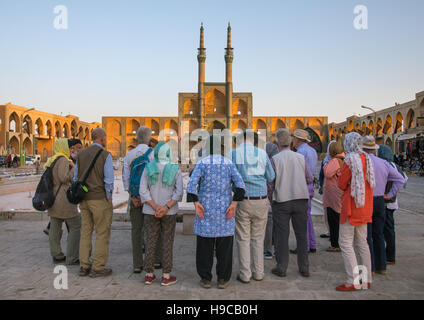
[{"x": 249, "y": 195}]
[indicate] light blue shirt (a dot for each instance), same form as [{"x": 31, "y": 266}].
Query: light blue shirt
[
  {"x": 109, "y": 175},
  {"x": 255, "y": 168},
  {"x": 310, "y": 155}
]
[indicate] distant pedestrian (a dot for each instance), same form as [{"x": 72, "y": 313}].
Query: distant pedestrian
[
  {"x": 357, "y": 182},
  {"x": 62, "y": 211},
  {"x": 384, "y": 172},
  {"x": 256, "y": 170},
  {"x": 290, "y": 202},
  {"x": 210, "y": 188},
  {"x": 300, "y": 142},
  {"x": 161, "y": 188},
  {"x": 386, "y": 153},
  {"x": 96, "y": 208},
  {"x": 332, "y": 196}
]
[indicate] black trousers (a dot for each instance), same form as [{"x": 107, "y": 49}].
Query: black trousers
[
  {"x": 375, "y": 237},
  {"x": 224, "y": 256},
  {"x": 333, "y": 223},
  {"x": 390, "y": 236}
]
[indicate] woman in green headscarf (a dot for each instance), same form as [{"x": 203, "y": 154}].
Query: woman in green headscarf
[{"x": 161, "y": 188}]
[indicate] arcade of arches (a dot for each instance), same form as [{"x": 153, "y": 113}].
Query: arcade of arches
[
  {"x": 396, "y": 126},
  {"x": 34, "y": 132}
]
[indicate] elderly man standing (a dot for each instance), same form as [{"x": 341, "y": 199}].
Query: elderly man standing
[
  {"x": 144, "y": 135},
  {"x": 300, "y": 142},
  {"x": 256, "y": 170},
  {"x": 290, "y": 202},
  {"x": 96, "y": 208},
  {"x": 383, "y": 173}
]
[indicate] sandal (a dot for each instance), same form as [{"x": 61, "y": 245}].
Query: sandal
[{"x": 332, "y": 249}]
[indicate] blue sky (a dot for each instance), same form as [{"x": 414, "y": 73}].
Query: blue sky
[{"x": 127, "y": 57}]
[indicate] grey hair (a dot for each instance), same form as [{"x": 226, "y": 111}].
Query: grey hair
[
  {"x": 283, "y": 138},
  {"x": 97, "y": 134},
  {"x": 144, "y": 134}
]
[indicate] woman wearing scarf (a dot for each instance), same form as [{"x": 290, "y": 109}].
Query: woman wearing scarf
[
  {"x": 210, "y": 188},
  {"x": 357, "y": 182},
  {"x": 332, "y": 196},
  {"x": 386, "y": 153},
  {"x": 62, "y": 210},
  {"x": 271, "y": 150},
  {"x": 161, "y": 188},
  {"x": 321, "y": 187}
]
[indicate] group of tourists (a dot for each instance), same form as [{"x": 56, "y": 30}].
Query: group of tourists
[{"x": 249, "y": 195}]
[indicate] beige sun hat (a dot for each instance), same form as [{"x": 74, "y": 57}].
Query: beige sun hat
[
  {"x": 302, "y": 134},
  {"x": 368, "y": 142}
]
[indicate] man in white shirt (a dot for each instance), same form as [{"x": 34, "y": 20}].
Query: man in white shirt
[{"x": 144, "y": 134}]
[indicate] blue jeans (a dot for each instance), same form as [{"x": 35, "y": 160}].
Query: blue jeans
[
  {"x": 390, "y": 236},
  {"x": 375, "y": 235}
]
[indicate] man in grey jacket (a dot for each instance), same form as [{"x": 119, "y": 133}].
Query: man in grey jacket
[{"x": 290, "y": 201}]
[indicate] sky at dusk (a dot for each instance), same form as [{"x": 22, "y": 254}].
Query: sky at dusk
[{"x": 131, "y": 58}]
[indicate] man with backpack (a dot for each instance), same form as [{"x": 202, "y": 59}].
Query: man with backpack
[
  {"x": 96, "y": 208},
  {"x": 134, "y": 164}
]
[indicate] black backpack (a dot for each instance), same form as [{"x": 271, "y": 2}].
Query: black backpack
[
  {"x": 78, "y": 190},
  {"x": 44, "y": 197}
]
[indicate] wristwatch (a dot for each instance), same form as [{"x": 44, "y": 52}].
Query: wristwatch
[{"x": 167, "y": 207}]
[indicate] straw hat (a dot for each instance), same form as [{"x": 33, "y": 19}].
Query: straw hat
[
  {"x": 302, "y": 135},
  {"x": 368, "y": 143}
]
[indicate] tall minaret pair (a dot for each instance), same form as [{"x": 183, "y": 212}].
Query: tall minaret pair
[{"x": 201, "y": 58}]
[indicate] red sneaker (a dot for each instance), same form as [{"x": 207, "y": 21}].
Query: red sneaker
[
  {"x": 351, "y": 287},
  {"x": 168, "y": 282},
  {"x": 149, "y": 279}
]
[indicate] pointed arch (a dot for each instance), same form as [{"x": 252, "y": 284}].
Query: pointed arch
[
  {"x": 379, "y": 126},
  {"x": 48, "y": 128},
  {"x": 215, "y": 102},
  {"x": 388, "y": 124},
  {"x": 154, "y": 126},
  {"x": 14, "y": 122},
  {"x": 27, "y": 146},
  {"x": 278, "y": 124},
  {"x": 14, "y": 145},
  {"x": 239, "y": 107},
  {"x": 39, "y": 128},
  {"x": 399, "y": 122},
  {"x": 410, "y": 121},
  {"x": 190, "y": 107},
  {"x": 74, "y": 129},
  {"x": 134, "y": 126},
  {"x": 58, "y": 129},
  {"x": 113, "y": 128},
  {"x": 298, "y": 124},
  {"x": 65, "y": 131},
  {"x": 27, "y": 125}
]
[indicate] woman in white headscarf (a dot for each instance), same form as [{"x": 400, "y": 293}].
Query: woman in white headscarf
[{"x": 357, "y": 182}]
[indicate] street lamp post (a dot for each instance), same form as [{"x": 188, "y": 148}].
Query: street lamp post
[{"x": 374, "y": 127}]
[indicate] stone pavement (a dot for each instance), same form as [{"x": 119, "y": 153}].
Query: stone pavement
[{"x": 26, "y": 270}]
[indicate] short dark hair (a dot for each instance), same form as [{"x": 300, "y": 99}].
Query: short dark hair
[
  {"x": 72, "y": 142},
  {"x": 245, "y": 134}
]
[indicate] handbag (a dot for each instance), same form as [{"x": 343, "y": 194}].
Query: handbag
[{"x": 78, "y": 190}]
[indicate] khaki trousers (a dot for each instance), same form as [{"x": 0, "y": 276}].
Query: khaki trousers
[
  {"x": 350, "y": 236},
  {"x": 251, "y": 219},
  {"x": 72, "y": 242},
  {"x": 95, "y": 215}
]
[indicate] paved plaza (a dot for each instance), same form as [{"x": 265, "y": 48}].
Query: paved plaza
[{"x": 26, "y": 270}]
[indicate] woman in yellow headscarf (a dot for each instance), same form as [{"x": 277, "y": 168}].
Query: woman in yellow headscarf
[
  {"x": 60, "y": 149},
  {"x": 62, "y": 210}
]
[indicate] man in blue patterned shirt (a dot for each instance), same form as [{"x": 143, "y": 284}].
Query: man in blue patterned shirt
[{"x": 256, "y": 170}]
